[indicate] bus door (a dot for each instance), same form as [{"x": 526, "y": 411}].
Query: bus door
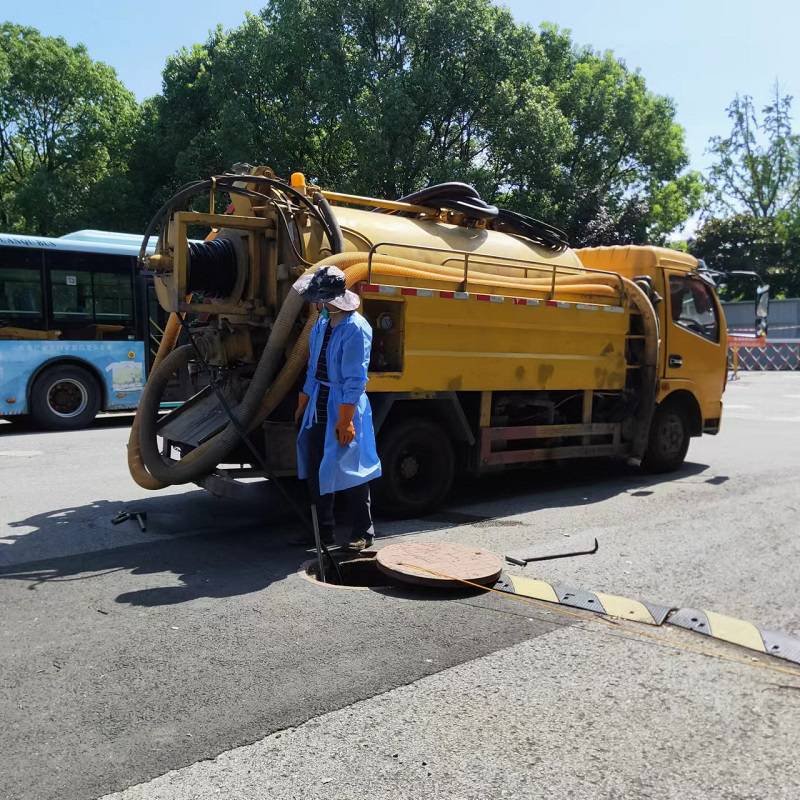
[{"x": 154, "y": 320}]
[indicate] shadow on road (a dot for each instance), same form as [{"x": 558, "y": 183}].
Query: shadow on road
[
  {"x": 222, "y": 548},
  {"x": 216, "y": 548},
  {"x": 560, "y": 484}
]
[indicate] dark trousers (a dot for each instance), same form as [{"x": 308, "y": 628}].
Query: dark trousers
[{"x": 358, "y": 500}]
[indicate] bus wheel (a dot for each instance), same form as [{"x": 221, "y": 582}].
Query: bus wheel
[
  {"x": 64, "y": 398},
  {"x": 418, "y": 466},
  {"x": 669, "y": 440}
]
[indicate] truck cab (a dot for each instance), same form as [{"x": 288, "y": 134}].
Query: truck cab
[{"x": 693, "y": 349}]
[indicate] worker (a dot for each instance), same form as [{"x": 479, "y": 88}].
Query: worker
[{"x": 336, "y": 449}]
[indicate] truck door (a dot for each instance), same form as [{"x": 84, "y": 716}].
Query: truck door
[{"x": 695, "y": 340}]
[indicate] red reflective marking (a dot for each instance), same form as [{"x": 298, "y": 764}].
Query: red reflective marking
[
  {"x": 370, "y": 287},
  {"x": 551, "y": 303},
  {"x": 520, "y": 301},
  {"x": 447, "y": 295},
  {"x": 484, "y": 297},
  {"x": 408, "y": 292}
]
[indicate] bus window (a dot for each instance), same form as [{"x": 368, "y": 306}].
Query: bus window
[
  {"x": 91, "y": 295},
  {"x": 113, "y": 297},
  {"x": 21, "y": 287},
  {"x": 72, "y": 293}
]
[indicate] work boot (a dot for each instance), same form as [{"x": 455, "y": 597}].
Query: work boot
[{"x": 357, "y": 545}]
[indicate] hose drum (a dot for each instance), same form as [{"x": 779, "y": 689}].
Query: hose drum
[{"x": 212, "y": 267}]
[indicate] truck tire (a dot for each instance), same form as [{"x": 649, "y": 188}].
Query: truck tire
[
  {"x": 418, "y": 466},
  {"x": 64, "y": 398},
  {"x": 669, "y": 440}
]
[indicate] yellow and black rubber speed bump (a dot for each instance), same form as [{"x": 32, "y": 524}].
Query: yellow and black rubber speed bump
[
  {"x": 737, "y": 631},
  {"x": 609, "y": 604},
  {"x": 708, "y": 623}
]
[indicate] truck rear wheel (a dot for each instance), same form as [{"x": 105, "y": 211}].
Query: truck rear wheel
[
  {"x": 418, "y": 466},
  {"x": 64, "y": 398},
  {"x": 669, "y": 440}
]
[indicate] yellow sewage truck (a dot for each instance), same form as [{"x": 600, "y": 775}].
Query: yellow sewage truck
[{"x": 495, "y": 345}]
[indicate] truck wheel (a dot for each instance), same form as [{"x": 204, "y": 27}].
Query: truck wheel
[
  {"x": 64, "y": 398},
  {"x": 418, "y": 466},
  {"x": 669, "y": 440}
]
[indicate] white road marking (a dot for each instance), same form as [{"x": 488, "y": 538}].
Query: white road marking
[
  {"x": 20, "y": 453},
  {"x": 752, "y": 418},
  {"x": 732, "y": 405}
]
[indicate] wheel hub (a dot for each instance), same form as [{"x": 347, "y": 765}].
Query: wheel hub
[
  {"x": 671, "y": 435},
  {"x": 409, "y": 467},
  {"x": 67, "y": 398}
]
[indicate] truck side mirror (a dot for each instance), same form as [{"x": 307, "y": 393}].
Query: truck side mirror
[{"x": 762, "y": 309}]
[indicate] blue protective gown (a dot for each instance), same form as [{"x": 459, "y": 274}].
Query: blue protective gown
[{"x": 348, "y": 361}]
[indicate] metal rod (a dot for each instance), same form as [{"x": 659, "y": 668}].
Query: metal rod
[
  {"x": 318, "y": 543},
  {"x": 523, "y": 561}
]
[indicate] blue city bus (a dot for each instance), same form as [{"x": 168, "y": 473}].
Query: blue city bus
[{"x": 79, "y": 327}]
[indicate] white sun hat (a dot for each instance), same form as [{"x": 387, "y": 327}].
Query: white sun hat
[{"x": 327, "y": 285}]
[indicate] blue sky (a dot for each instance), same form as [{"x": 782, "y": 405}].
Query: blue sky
[{"x": 699, "y": 53}]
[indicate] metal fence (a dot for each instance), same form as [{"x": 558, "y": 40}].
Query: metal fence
[
  {"x": 782, "y": 351},
  {"x": 777, "y": 355}
]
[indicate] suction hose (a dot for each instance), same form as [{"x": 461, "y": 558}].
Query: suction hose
[
  {"x": 135, "y": 463},
  {"x": 648, "y": 369},
  {"x": 204, "y": 459}
]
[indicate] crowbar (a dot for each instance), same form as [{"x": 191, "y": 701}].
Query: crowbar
[{"x": 522, "y": 560}]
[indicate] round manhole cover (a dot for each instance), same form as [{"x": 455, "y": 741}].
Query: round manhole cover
[{"x": 438, "y": 564}]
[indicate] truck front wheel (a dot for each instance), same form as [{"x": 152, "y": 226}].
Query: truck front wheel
[
  {"x": 669, "y": 440},
  {"x": 418, "y": 466}
]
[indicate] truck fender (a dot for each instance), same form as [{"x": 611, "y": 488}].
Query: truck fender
[
  {"x": 446, "y": 406},
  {"x": 687, "y": 402}
]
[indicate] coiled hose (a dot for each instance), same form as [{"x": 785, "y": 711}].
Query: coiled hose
[
  {"x": 204, "y": 459},
  {"x": 136, "y": 465}
]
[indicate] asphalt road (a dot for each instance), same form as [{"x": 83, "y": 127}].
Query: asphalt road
[{"x": 193, "y": 661}]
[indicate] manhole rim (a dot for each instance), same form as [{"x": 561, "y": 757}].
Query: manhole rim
[{"x": 305, "y": 572}]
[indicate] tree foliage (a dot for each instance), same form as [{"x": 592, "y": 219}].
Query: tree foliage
[
  {"x": 769, "y": 246},
  {"x": 379, "y": 97},
  {"x": 382, "y": 97},
  {"x": 756, "y": 168},
  {"x": 65, "y": 128},
  {"x": 753, "y": 214}
]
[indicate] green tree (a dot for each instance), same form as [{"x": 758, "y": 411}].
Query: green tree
[
  {"x": 753, "y": 210},
  {"x": 66, "y": 124},
  {"x": 383, "y": 97},
  {"x": 769, "y": 246},
  {"x": 756, "y": 168},
  {"x": 620, "y": 175}
]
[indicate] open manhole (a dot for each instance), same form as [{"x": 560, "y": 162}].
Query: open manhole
[
  {"x": 436, "y": 565},
  {"x": 356, "y": 573}
]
